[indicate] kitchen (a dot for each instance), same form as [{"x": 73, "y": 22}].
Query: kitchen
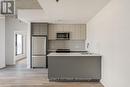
[
  {"x": 61, "y": 49},
  {"x": 99, "y": 53}
]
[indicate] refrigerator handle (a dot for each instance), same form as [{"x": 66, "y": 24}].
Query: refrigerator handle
[{"x": 45, "y": 47}]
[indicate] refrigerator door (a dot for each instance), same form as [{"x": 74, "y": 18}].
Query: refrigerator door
[
  {"x": 38, "y": 46},
  {"x": 38, "y": 51},
  {"x": 39, "y": 61}
]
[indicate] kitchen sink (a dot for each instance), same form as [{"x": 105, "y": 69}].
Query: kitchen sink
[{"x": 86, "y": 53}]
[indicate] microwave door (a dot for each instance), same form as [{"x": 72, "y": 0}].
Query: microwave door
[{"x": 63, "y": 36}]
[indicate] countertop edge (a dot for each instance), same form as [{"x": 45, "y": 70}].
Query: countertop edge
[{"x": 72, "y": 54}]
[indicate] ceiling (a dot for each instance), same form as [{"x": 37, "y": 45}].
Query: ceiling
[
  {"x": 65, "y": 11},
  {"x": 27, "y": 4}
]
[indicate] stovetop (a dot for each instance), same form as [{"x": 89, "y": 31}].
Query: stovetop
[{"x": 63, "y": 51}]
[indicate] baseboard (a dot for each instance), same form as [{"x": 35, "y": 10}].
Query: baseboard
[
  {"x": 103, "y": 83},
  {"x": 2, "y": 67},
  {"x": 20, "y": 59}
]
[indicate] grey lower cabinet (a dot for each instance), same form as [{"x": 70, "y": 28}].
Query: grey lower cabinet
[{"x": 74, "y": 68}]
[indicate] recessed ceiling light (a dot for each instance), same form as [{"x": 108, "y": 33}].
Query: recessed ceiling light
[{"x": 57, "y": 0}]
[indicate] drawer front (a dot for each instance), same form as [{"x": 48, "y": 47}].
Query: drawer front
[{"x": 39, "y": 61}]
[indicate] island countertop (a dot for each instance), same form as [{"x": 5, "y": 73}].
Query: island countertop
[
  {"x": 73, "y": 54},
  {"x": 80, "y": 66}
]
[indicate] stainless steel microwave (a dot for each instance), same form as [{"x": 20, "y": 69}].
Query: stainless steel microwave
[{"x": 63, "y": 36}]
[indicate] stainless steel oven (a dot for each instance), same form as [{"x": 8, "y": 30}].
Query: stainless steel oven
[{"x": 63, "y": 36}]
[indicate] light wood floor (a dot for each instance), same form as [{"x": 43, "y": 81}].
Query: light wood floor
[{"x": 19, "y": 76}]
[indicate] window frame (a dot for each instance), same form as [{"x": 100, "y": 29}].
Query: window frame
[{"x": 16, "y": 52}]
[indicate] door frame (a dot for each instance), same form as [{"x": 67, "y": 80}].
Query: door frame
[{"x": 24, "y": 54}]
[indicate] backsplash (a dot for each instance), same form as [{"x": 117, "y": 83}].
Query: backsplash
[{"x": 65, "y": 44}]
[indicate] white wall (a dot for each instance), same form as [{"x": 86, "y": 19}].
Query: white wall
[
  {"x": 109, "y": 35},
  {"x": 13, "y": 25},
  {"x": 28, "y": 45},
  {"x": 2, "y": 42}
]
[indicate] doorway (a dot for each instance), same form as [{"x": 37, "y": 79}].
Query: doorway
[{"x": 20, "y": 50}]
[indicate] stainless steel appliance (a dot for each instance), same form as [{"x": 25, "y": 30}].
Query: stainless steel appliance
[
  {"x": 38, "y": 51},
  {"x": 63, "y": 36}
]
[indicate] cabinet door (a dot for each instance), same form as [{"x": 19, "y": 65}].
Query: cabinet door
[
  {"x": 35, "y": 29},
  {"x": 51, "y": 34},
  {"x": 71, "y": 29},
  {"x": 39, "y": 29},
  {"x": 78, "y": 32},
  {"x": 59, "y": 28},
  {"x": 66, "y": 28},
  {"x": 83, "y": 32},
  {"x": 43, "y": 29},
  {"x": 75, "y": 32}
]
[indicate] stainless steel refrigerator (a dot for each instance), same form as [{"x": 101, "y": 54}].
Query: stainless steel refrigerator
[{"x": 38, "y": 51}]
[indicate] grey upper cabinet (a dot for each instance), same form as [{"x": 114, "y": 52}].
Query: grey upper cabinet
[
  {"x": 39, "y": 28},
  {"x": 77, "y": 31}
]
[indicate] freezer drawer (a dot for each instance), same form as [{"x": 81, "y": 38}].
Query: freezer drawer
[{"x": 38, "y": 61}]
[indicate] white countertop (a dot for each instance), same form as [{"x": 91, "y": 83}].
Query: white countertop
[
  {"x": 72, "y": 54},
  {"x": 71, "y": 50}
]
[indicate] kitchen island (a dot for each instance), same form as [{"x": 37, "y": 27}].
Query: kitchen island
[{"x": 74, "y": 67}]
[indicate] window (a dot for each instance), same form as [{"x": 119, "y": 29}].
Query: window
[{"x": 19, "y": 44}]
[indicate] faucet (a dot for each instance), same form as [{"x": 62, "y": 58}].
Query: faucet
[{"x": 87, "y": 45}]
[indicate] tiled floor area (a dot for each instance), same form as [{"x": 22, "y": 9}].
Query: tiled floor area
[{"x": 19, "y": 76}]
